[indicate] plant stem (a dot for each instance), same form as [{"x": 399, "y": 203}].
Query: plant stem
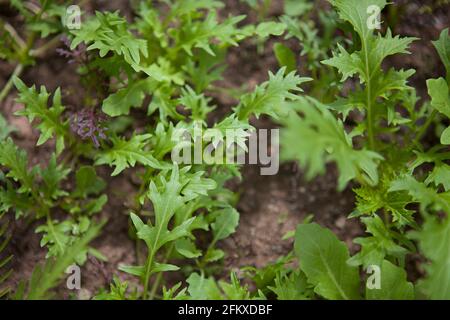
[
  {"x": 15, "y": 35},
  {"x": 370, "y": 119},
  {"x": 17, "y": 72},
  {"x": 149, "y": 264},
  {"x": 40, "y": 52},
  {"x": 158, "y": 279},
  {"x": 148, "y": 267},
  {"x": 369, "y": 98},
  {"x": 425, "y": 127},
  {"x": 169, "y": 252}
]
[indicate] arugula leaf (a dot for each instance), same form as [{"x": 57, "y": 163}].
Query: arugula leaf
[
  {"x": 206, "y": 69},
  {"x": 167, "y": 198},
  {"x": 188, "y": 7},
  {"x": 87, "y": 182},
  {"x": 370, "y": 200},
  {"x": 297, "y": 7},
  {"x": 434, "y": 155},
  {"x": 266, "y": 29},
  {"x": 270, "y": 97},
  {"x": 427, "y": 197},
  {"x": 47, "y": 277},
  {"x": 197, "y": 103},
  {"x": 186, "y": 247},
  {"x": 322, "y": 258},
  {"x": 440, "y": 176},
  {"x": 367, "y": 63},
  {"x": 52, "y": 176},
  {"x": 378, "y": 246},
  {"x": 117, "y": 291},
  {"x": 355, "y": 12},
  {"x": 445, "y": 137},
  {"x": 442, "y": 46},
  {"x": 438, "y": 90},
  {"x": 21, "y": 203},
  {"x": 439, "y": 93},
  {"x": 162, "y": 100},
  {"x": 201, "y": 288},
  {"x": 225, "y": 224},
  {"x": 292, "y": 287},
  {"x": 285, "y": 56},
  {"x": 119, "y": 103},
  {"x": 317, "y": 138},
  {"x": 35, "y": 106},
  {"x": 126, "y": 153},
  {"x": 16, "y": 161},
  {"x": 108, "y": 32},
  {"x": 199, "y": 34}
]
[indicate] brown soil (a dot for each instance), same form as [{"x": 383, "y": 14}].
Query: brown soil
[{"x": 270, "y": 206}]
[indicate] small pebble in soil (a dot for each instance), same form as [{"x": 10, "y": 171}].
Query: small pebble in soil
[{"x": 340, "y": 222}]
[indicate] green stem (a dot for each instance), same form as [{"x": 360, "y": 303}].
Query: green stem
[
  {"x": 158, "y": 279},
  {"x": 386, "y": 218},
  {"x": 15, "y": 35},
  {"x": 169, "y": 252},
  {"x": 425, "y": 127},
  {"x": 370, "y": 119},
  {"x": 370, "y": 130},
  {"x": 149, "y": 263},
  {"x": 17, "y": 72},
  {"x": 148, "y": 269}
]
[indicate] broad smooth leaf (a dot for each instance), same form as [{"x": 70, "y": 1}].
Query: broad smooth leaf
[
  {"x": 439, "y": 93},
  {"x": 443, "y": 48},
  {"x": 323, "y": 258},
  {"x": 285, "y": 56}
]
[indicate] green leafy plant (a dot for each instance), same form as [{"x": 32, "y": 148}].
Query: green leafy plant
[
  {"x": 49, "y": 19},
  {"x": 172, "y": 65},
  {"x": 46, "y": 277},
  {"x": 316, "y": 34},
  {"x": 382, "y": 156}
]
